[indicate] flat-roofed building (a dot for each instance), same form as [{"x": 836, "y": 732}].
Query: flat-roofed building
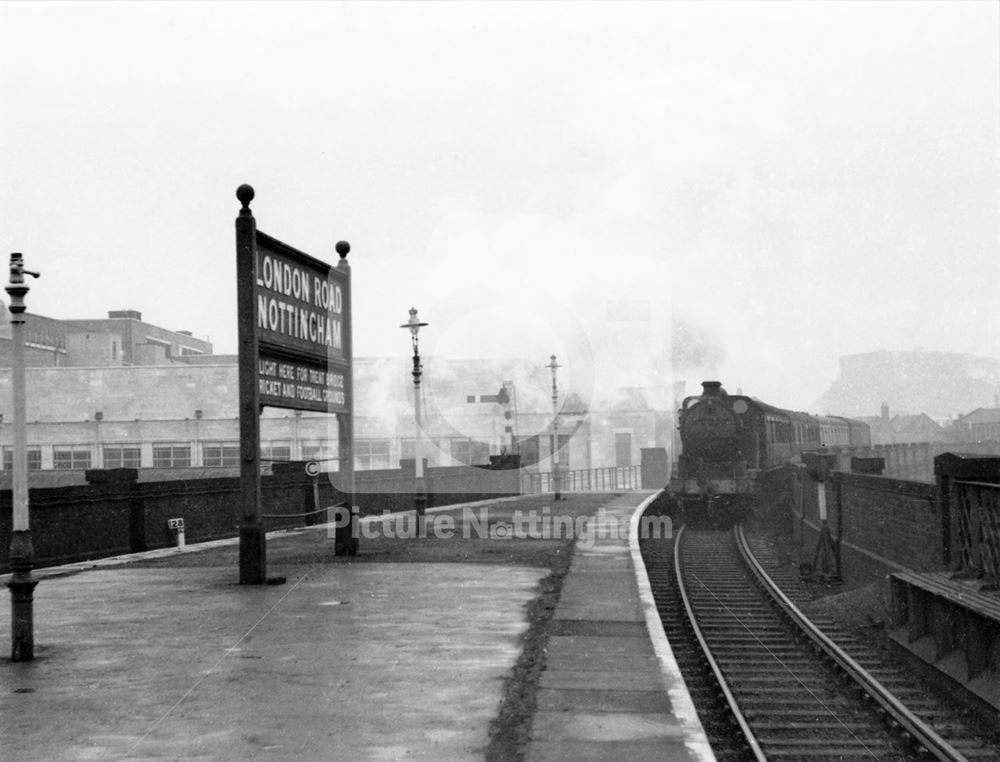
[{"x": 120, "y": 392}]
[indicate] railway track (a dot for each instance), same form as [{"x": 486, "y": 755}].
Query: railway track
[{"x": 766, "y": 691}]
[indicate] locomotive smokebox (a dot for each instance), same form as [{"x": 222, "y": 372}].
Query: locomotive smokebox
[{"x": 711, "y": 388}]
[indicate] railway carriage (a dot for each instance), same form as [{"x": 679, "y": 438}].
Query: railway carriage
[{"x": 727, "y": 440}]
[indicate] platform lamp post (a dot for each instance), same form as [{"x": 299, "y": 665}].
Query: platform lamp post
[
  {"x": 555, "y": 429},
  {"x": 22, "y": 553},
  {"x": 420, "y": 491}
]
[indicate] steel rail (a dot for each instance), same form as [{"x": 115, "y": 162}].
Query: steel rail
[
  {"x": 734, "y": 708},
  {"x": 909, "y": 722}
]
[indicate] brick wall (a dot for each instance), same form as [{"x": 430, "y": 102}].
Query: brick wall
[
  {"x": 99, "y": 520},
  {"x": 882, "y": 525},
  {"x": 117, "y": 514}
]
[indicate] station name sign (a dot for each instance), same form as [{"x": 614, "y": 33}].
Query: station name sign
[{"x": 300, "y": 317}]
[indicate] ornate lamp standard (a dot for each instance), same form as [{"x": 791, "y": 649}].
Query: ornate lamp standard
[
  {"x": 22, "y": 552},
  {"x": 555, "y": 429},
  {"x": 420, "y": 493}
]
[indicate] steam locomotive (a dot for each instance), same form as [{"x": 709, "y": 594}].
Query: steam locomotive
[{"x": 727, "y": 440}]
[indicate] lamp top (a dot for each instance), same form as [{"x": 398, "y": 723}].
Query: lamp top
[{"x": 413, "y": 323}]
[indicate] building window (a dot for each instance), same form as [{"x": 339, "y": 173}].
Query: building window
[
  {"x": 121, "y": 456},
  {"x": 34, "y": 458},
  {"x": 166, "y": 455},
  {"x": 371, "y": 453},
  {"x": 276, "y": 451},
  {"x": 70, "y": 457},
  {"x": 217, "y": 454},
  {"x": 320, "y": 450}
]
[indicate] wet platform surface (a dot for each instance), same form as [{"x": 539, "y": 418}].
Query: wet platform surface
[
  {"x": 348, "y": 661},
  {"x": 372, "y": 662}
]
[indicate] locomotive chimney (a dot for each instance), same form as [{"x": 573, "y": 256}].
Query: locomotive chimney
[{"x": 711, "y": 388}]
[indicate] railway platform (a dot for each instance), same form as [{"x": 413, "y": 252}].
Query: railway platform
[
  {"x": 611, "y": 690},
  {"x": 163, "y": 655}
]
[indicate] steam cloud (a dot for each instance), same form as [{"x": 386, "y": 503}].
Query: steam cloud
[{"x": 693, "y": 346}]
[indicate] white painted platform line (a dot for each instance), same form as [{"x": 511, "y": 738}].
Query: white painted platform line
[
  {"x": 680, "y": 698},
  {"x": 440, "y": 508}
]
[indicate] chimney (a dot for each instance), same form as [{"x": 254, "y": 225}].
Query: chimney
[
  {"x": 133, "y": 314},
  {"x": 885, "y": 411},
  {"x": 711, "y": 388}
]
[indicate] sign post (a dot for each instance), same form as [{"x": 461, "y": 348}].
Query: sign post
[{"x": 294, "y": 352}]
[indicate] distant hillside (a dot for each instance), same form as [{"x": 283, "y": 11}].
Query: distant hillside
[{"x": 940, "y": 384}]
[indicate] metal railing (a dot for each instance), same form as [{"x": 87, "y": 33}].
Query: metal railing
[
  {"x": 609, "y": 479},
  {"x": 978, "y": 529}
]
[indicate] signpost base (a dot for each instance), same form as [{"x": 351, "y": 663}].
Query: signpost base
[
  {"x": 22, "y": 594},
  {"x": 253, "y": 555}
]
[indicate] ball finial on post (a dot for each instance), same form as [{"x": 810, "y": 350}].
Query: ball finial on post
[
  {"x": 343, "y": 249},
  {"x": 245, "y": 195}
]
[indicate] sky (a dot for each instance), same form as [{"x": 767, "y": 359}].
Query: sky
[{"x": 654, "y": 192}]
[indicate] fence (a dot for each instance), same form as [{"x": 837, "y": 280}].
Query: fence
[
  {"x": 610, "y": 479},
  {"x": 978, "y": 520}
]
